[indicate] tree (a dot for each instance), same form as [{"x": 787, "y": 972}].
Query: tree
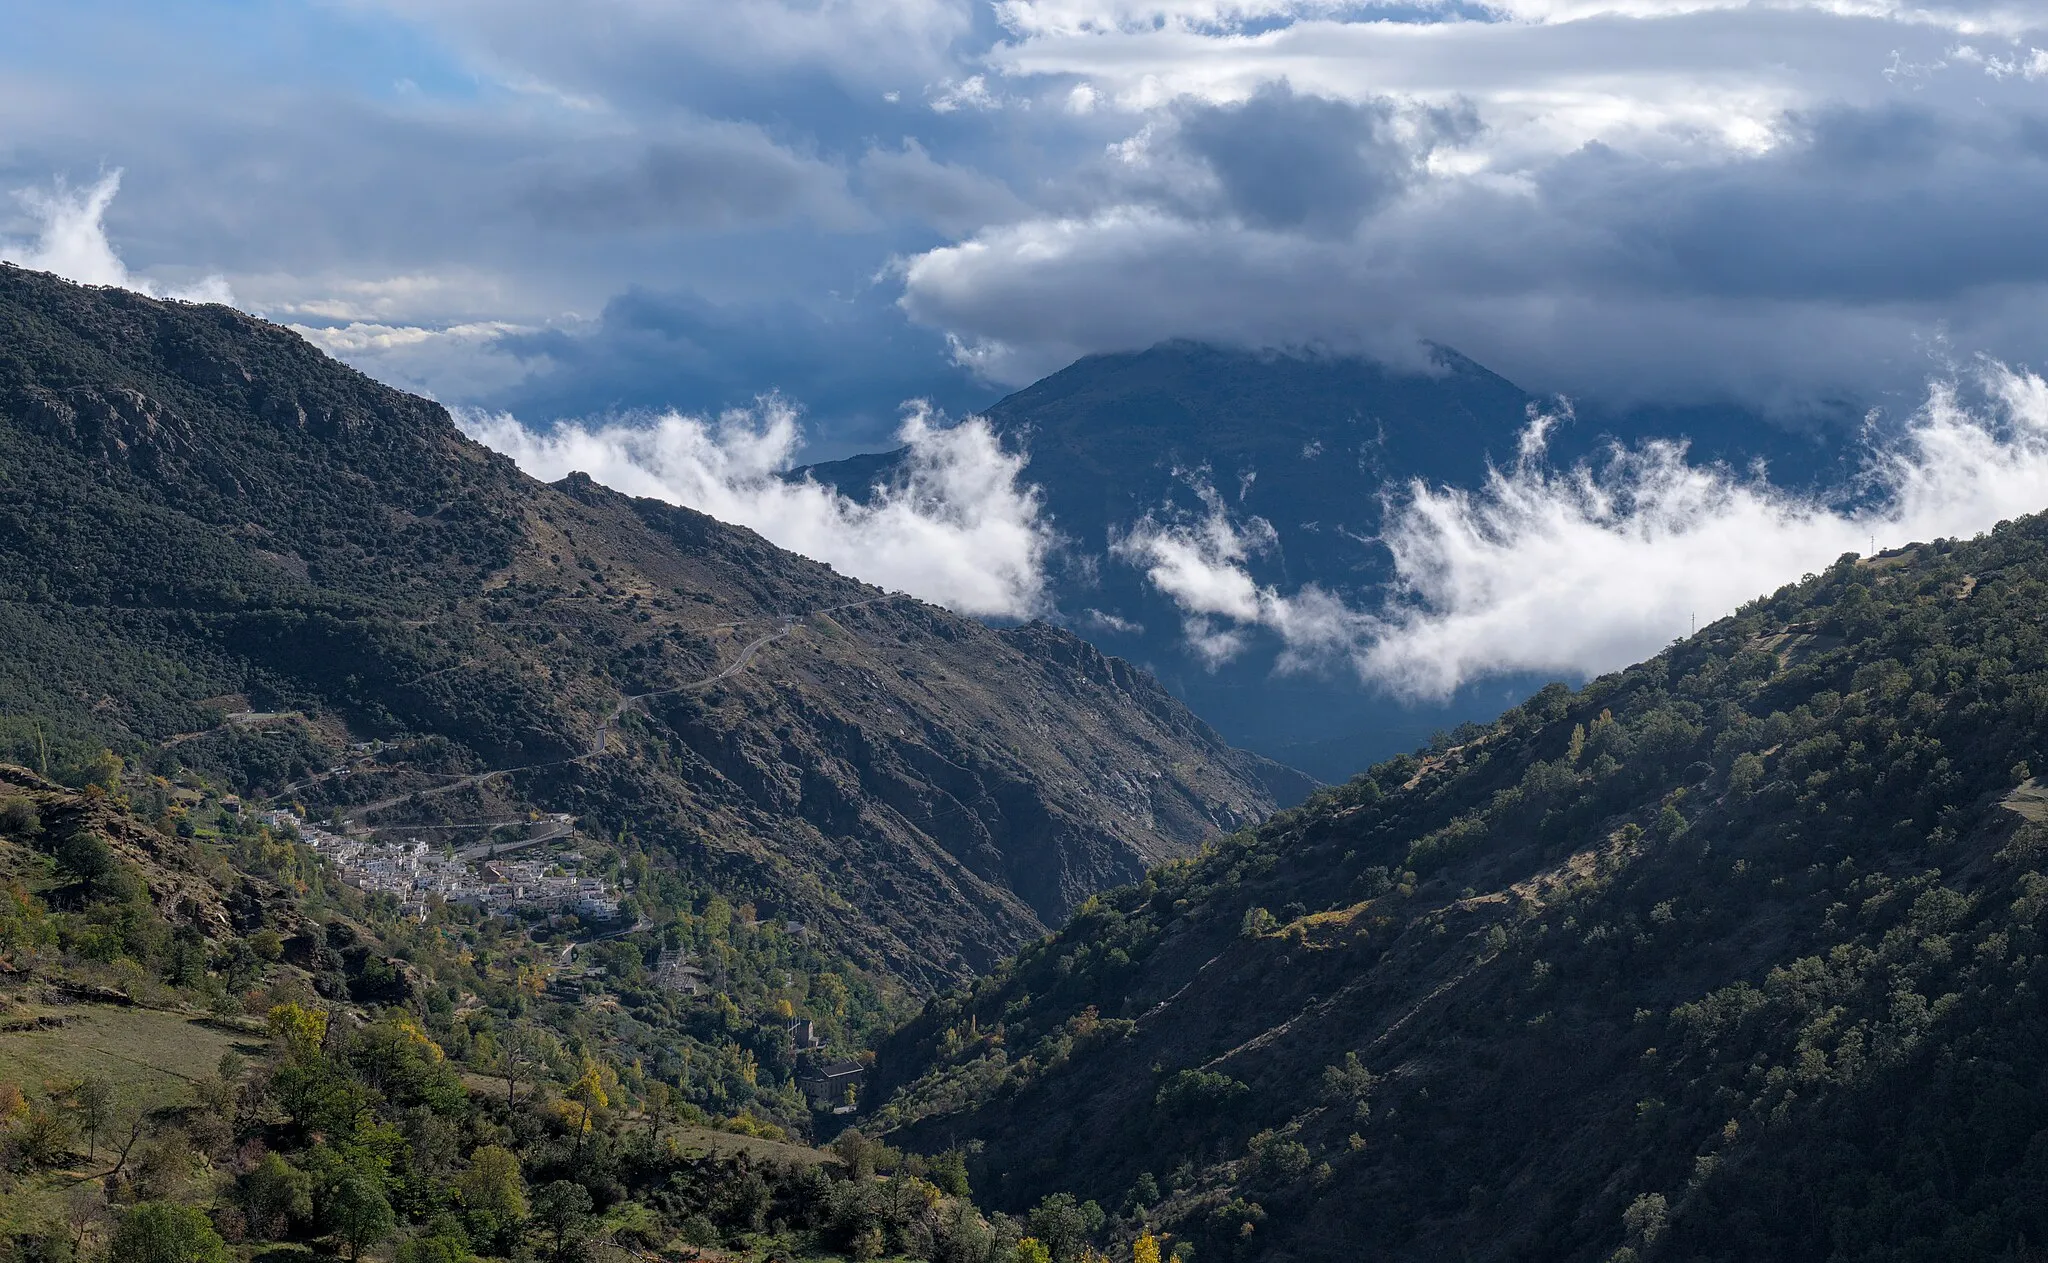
[
  {"x": 18, "y": 817},
  {"x": 86, "y": 859},
  {"x": 160, "y": 1232},
  {"x": 562, "y": 1211},
  {"x": 1145, "y": 1249},
  {"x": 442, "y": 1242},
  {"x": 588, "y": 1092},
  {"x": 93, "y": 1100},
  {"x": 136, "y": 1126},
  {"x": 358, "y": 1214},
  {"x": 43, "y": 1137},
  {"x": 104, "y": 770},
  {"x": 524, "y": 1053},
  {"x": 275, "y": 1192},
  {"x": 493, "y": 1185},
  {"x": 85, "y": 1209},
  {"x": 657, "y": 1098},
  {"x": 1065, "y": 1225}
]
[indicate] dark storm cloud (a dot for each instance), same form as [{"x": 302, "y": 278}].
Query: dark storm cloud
[
  {"x": 849, "y": 367},
  {"x": 1895, "y": 204},
  {"x": 1290, "y": 161}
]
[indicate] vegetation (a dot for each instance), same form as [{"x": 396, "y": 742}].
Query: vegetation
[
  {"x": 1732, "y": 955},
  {"x": 178, "y": 1094}
]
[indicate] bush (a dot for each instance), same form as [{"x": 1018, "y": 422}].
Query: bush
[{"x": 159, "y": 1232}]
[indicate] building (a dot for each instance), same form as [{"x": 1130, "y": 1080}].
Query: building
[
  {"x": 834, "y": 1086},
  {"x": 803, "y": 1035}
]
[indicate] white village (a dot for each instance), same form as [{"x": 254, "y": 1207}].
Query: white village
[{"x": 418, "y": 873}]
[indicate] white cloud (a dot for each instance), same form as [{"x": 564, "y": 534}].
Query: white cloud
[
  {"x": 1029, "y": 18},
  {"x": 1201, "y": 563},
  {"x": 962, "y": 530},
  {"x": 453, "y": 361},
  {"x": 71, "y": 241},
  {"x": 1585, "y": 570}
]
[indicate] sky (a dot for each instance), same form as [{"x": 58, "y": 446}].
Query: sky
[{"x": 781, "y": 221}]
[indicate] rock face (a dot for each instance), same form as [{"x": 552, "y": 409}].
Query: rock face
[{"x": 196, "y": 505}]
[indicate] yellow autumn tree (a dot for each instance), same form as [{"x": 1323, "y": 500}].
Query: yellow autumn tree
[
  {"x": 301, "y": 1030},
  {"x": 1145, "y": 1249},
  {"x": 1031, "y": 1250},
  {"x": 589, "y": 1093}
]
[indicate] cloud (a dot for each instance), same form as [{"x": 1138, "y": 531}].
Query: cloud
[
  {"x": 1782, "y": 205},
  {"x": 714, "y": 175},
  {"x": 1825, "y": 268},
  {"x": 461, "y": 361},
  {"x": 848, "y": 359},
  {"x": 960, "y": 529},
  {"x": 1285, "y": 161},
  {"x": 629, "y": 52},
  {"x": 955, "y": 200},
  {"x": 1587, "y": 569},
  {"x": 1200, "y": 562},
  {"x": 71, "y": 241}
]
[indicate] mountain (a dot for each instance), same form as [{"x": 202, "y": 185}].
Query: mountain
[
  {"x": 1309, "y": 443},
  {"x": 1737, "y": 954},
  {"x": 221, "y": 550}
]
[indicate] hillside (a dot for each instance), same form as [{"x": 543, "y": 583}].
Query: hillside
[
  {"x": 1734, "y": 955},
  {"x": 220, "y": 550},
  {"x": 211, "y": 1050}
]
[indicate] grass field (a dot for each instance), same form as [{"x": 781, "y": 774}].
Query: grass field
[
  {"x": 149, "y": 1055},
  {"x": 707, "y": 1140}
]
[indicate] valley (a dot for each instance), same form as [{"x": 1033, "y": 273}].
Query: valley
[{"x": 574, "y": 876}]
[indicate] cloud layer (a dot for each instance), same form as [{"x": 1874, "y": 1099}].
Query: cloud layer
[
  {"x": 961, "y": 529},
  {"x": 1582, "y": 570},
  {"x": 1793, "y": 205}
]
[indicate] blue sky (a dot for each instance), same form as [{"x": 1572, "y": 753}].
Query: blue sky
[{"x": 571, "y": 209}]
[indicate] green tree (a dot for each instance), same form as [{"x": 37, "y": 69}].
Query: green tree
[
  {"x": 86, "y": 859},
  {"x": 18, "y": 817},
  {"x": 358, "y": 1214},
  {"x": 493, "y": 1185},
  {"x": 561, "y": 1211},
  {"x": 274, "y": 1193},
  {"x": 43, "y": 1137},
  {"x": 93, "y": 1100},
  {"x": 160, "y": 1232},
  {"x": 1065, "y": 1225},
  {"x": 442, "y": 1242}
]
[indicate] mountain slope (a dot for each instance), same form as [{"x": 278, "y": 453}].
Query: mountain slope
[
  {"x": 217, "y": 544},
  {"x": 1310, "y": 444},
  {"x": 1305, "y": 442},
  {"x": 1737, "y": 954}
]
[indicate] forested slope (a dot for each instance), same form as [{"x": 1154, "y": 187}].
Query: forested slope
[
  {"x": 1734, "y": 955},
  {"x": 203, "y": 516}
]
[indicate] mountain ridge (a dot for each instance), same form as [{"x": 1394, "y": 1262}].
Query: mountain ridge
[{"x": 202, "y": 505}]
